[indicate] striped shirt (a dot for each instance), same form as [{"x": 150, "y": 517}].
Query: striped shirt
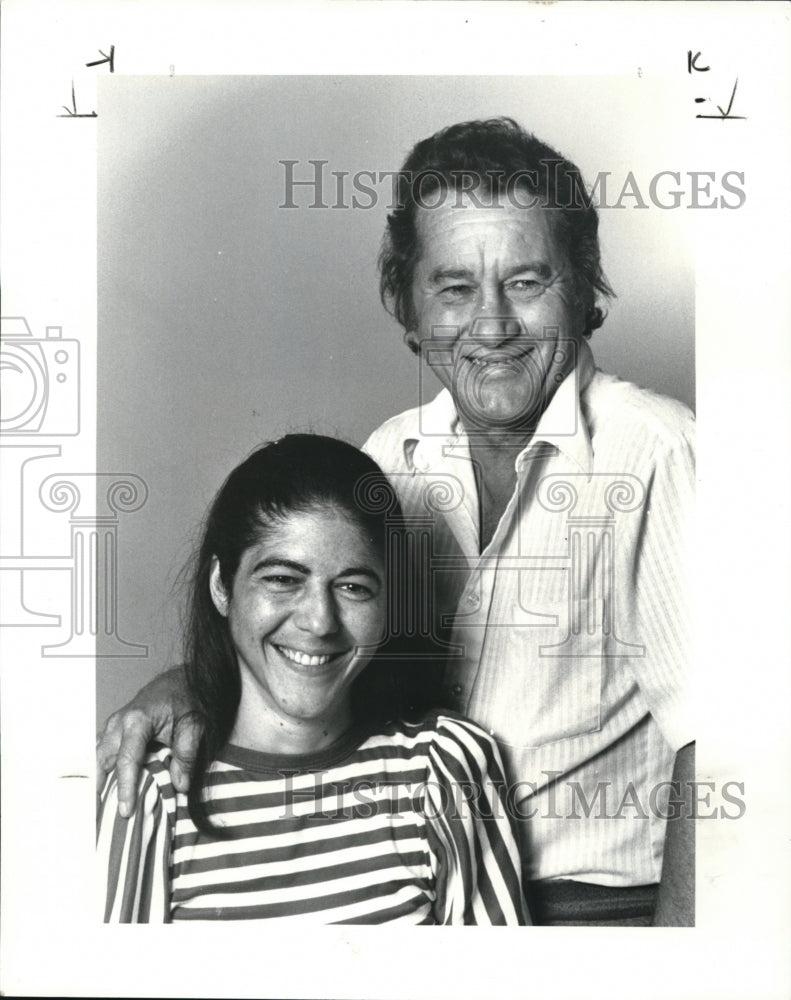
[
  {"x": 569, "y": 633},
  {"x": 404, "y": 824}
]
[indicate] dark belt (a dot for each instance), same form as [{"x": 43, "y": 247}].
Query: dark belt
[{"x": 563, "y": 902}]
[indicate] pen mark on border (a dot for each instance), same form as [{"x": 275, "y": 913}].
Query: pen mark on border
[{"x": 107, "y": 59}]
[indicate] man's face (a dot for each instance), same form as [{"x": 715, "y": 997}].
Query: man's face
[{"x": 495, "y": 284}]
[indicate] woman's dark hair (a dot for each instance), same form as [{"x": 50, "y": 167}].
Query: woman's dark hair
[
  {"x": 497, "y": 158},
  {"x": 295, "y": 474}
]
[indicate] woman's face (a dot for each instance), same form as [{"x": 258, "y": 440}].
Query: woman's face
[{"x": 306, "y": 612}]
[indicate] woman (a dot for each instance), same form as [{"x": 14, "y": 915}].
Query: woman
[{"x": 310, "y": 799}]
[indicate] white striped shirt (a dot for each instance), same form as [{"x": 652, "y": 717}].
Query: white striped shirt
[
  {"x": 572, "y": 627},
  {"x": 404, "y": 824}
]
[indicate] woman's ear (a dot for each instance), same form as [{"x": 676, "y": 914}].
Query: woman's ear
[
  {"x": 412, "y": 341},
  {"x": 219, "y": 595}
]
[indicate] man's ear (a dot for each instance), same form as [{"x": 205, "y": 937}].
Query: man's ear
[
  {"x": 219, "y": 595},
  {"x": 412, "y": 341}
]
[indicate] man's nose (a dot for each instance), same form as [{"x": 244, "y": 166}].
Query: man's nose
[
  {"x": 495, "y": 328},
  {"x": 317, "y": 612},
  {"x": 495, "y": 319}
]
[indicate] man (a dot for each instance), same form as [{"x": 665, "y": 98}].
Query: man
[{"x": 556, "y": 571}]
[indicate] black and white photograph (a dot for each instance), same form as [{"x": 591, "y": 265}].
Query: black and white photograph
[
  {"x": 376, "y": 470},
  {"x": 239, "y": 232}
]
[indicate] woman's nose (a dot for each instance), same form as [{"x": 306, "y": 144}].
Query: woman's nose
[{"x": 317, "y": 612}]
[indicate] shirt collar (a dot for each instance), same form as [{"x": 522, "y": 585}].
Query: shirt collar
[{"x": 562, "y": 424}]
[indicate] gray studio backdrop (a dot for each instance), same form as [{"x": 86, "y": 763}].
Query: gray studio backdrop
[{"x": 226, "y": 320}]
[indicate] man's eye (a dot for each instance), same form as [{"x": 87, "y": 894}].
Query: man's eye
[
  {"x": 357, "y": 591},
  {"x": 455, "y": 291},
  {"x": 280, "y": 581},
  {"x": 525, "y": 287}
]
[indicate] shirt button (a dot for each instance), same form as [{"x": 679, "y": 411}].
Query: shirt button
[
  {"x": 473, "y": 600},
  {"x": 456, "y": 689}
]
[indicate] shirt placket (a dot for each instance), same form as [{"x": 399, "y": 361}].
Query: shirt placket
[{"x": 474, "y": 608}]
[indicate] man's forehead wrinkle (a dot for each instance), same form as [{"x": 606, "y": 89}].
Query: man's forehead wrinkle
[
  {"x": 508, "y": 269},
  {"x": 442, "y": 273},
  {"x": 470, "y": 244},
  {"x": 474, "y": 226}
]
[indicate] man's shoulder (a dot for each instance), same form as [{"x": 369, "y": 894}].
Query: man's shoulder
[
  {"x": 613, "y": 406},
  {"x": 386, "y": 444}
]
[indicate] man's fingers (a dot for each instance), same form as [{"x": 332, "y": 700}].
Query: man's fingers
[
  {"x": 104, "y": 764},
  {"x": 136, "y": 733},
  {"x": 186, "y": 737},
  {"x": 107, "y": 744}
]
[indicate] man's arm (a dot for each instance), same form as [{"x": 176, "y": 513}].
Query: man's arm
[
  {"x": 159, "y": 711},
  {"x": 676, "y": 903}
]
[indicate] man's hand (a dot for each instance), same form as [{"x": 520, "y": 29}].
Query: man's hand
[
  {"x": 676, "y": 902},
  {"x": 159, "y": 711}
]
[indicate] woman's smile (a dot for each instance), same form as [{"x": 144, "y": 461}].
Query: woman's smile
[{"x": 305, "y": 659}]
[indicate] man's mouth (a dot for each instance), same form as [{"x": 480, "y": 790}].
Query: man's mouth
[
  {"x": 500, "y": 356},
  {"x": 305, "y": 659}
]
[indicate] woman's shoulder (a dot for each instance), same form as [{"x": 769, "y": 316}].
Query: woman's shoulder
[
  {"x": 154, "y": 783},
  {"x": 157, "y": 761},
  {"x": 438, "y": 730},
  {"x": 445, "y": 721}
]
